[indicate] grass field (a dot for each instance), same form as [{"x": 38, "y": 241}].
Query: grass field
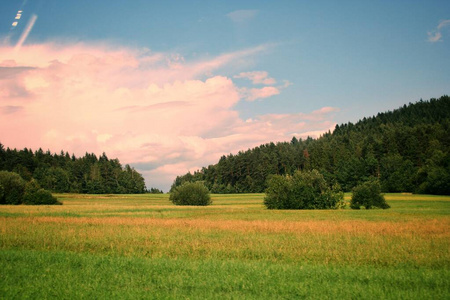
[{"x": 142, "y": 246}]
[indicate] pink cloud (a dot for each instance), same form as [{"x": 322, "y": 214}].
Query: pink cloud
[
  {"x": 265, "y": 92},
  {"x": 436, "y": 35},
  {"x": 257, "y": 77},
  {"x": 324, "y": 111},
  {"x": 135, "y": 105}
]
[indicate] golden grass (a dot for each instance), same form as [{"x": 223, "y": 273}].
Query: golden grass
[
  {"x": 423, "y": 228},
  {"x": 345, "y": 242},
  {"x": 234, "y": 227}
]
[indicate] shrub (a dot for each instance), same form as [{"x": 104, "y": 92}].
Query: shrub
[
  {"x": 43, "y": 197},
  {"x": 368, "y": 194},
  {"x": 34, "y": 194},
  {"x": 303, "y": 190},
  {"x": 13, "y": 188},
  {"x": 278, "y": 192},
  {"x": 191, "y": 193}
]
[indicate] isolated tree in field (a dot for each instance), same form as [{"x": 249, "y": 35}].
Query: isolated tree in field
[
  {"x": 278, "y": 193},
  {"x": 13, "y": 188},
  {"x": 368, "y": 194},
  {"x": 303, "y": 190},
  {"x": 191, "y": 193},
  {"x": 35, "y": 195}
]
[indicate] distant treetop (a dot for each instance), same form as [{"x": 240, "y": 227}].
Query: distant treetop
[
  {"x": 407, "y": 150},
  {"x": 64, "y": 173}
]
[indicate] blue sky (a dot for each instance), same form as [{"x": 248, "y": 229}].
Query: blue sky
[{"x": 298, "y": 67}]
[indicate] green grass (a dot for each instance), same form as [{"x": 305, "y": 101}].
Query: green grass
[
  {"x": 40, "y": 275},
  {"x": 142, "y": 246}
]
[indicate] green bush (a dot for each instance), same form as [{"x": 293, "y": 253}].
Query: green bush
[
  {"x": 44, "y": 197},
  {"x": 303, "y": 190},
  {"x": 278, "y": 192},
  {"x": 34, "y": 194},
  {"x": 13, "y": 188},
  {"x": 368, "y": 194},
  {"x": 191, "y": 193}
]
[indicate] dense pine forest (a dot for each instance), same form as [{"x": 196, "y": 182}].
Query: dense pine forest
[
  {"x": 67, "y": 173},
  {"x": 407, "y": 149}
]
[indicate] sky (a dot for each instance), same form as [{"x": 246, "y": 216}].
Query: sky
[{"x": 170, "y": 86}]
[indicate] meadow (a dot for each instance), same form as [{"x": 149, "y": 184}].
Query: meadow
[{"x": 142, "y": 246}]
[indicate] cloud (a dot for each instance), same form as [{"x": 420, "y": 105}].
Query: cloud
[
  {"x": 325, "y": 110},
  {"x": 134, "y": 105},
  {"x": 241, "y": 16},
  {"x": 10, "y": 109},
  {"x": 257, "y": 77},
  {"x": 443, "y": 24},
  {"x": 265, "y": 92},
  {"x": 436, "y": 35},
  {"x": 260, "y": 77}
]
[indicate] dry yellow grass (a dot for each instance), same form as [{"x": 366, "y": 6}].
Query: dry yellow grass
[
  {"x": 413, "y": 232},
  {"x": 342, "y": 242},
  {"x": 422, "y": 228}
]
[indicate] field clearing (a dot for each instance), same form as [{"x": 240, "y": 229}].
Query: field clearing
[{"x": 234, "y": 248}]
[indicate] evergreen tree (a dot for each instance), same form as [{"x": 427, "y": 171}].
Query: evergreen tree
[
  {"x": 406, "y": 149},
  {"x": 64, "y": 173}
]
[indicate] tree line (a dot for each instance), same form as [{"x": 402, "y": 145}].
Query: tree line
[
  {"x": 63, "y": 172},
  {"x": 407, "y": 150}
]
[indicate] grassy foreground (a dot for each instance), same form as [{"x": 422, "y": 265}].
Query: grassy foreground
[{"x": 141, "y": 246}]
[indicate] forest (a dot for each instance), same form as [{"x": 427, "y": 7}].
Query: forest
[
  {"x": 407, "y": 149},
  {"x": 63, "y": 172}
]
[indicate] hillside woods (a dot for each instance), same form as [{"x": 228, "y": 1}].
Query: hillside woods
[{"x": 406, "y": 149}]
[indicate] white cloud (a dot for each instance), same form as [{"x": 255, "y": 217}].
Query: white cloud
[
  {"x": 436, "y": 35},
  {"x": 442, "y": 24}
]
